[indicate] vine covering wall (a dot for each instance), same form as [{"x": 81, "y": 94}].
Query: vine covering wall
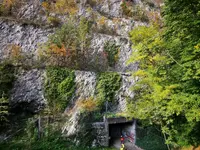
[
  {"x": 107, "y": 85},
  {"x": 112, "y": 52},
  {"x": 59, "y": 87}
]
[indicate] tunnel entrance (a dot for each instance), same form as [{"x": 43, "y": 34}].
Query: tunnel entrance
[
  {"x": 118, "y": 130},
  {"x": 109, "y": 131},
  {"x": 118, "y": 127}
]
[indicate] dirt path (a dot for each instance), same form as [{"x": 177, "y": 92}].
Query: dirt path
[{"x": 128, "y": 145}]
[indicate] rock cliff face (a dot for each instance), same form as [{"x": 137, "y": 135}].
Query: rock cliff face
[
  {"x": 27, "y": 93},
  {"x": 28, "y": 37},
  {"x": 28, "y": 31}
]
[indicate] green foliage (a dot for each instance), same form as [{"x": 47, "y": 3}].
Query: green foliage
[
  {"x": 1, "y": 10},
  {"x": 9, "y": 7},
  {"x": 51, "y": 139},
  {"x": 60, "y": 7},
  {"x": 112, "y": 52},
  {"x": 66, "y": 35},
  {"x": 59, "y": 87},
  {"x": 150, "y": 3},
  {"x": 105, "y": 29},
  {"x": 27, "y": 139},
  {"x": 52, "y": 143},
  {"x": 150, "y": 138},
  {"x": 3, "y": 110},
  {"x": 168, "y": 87},
  {"x": 7, "y": 77},
  {"x": 83, "y": 30},
  {"x": 86, "y": 133},
  {"x": 92, "y": 3},
  {"x": 114, "y": 115},
  {"x": 68, "y": 45},
  {"x": 6, "y": 7},
  {"x": 107, "y": 85},
  {"x": 71, "y": 35}
]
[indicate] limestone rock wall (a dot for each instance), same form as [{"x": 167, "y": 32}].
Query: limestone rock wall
[
  {"x": 85, "y": 84},
  {"x": 28, "y": 37},
  {"x": 28, "y": 91}
]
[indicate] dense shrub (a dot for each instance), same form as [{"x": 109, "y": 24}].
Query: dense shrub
[
  {"x": 94, "y": 3},
  {"x": 28, "y": 139},
  {"x": 107, "y": 85},
  {"x": 87, "y": 105},
  {"x": 51, "y": 143},
  {"x": 150, "y": 138},
  {"x": 105, "y": 29},
  {"x": 59, "y": 87},
  {"x": 68, "y": 45},
  {"x": 6, "y": 78},
  {"x": 6, "y": 7}
]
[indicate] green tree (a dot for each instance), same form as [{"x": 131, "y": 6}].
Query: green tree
[{"x": 167, "y": 92}]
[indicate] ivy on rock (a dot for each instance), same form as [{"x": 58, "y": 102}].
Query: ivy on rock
[
  {"x": 59, "y": 87},
  {"x": 112, "y": 52},
  {"x": 107, "y": 85}
]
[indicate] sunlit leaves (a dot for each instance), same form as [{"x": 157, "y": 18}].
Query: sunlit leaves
[{"x": 167, "y": 91}]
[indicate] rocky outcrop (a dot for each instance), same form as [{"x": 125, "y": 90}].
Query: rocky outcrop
[
  {"x": 27, "y": 37},
  {"x": 97, "y": 44},
  {"x": 124, "y": 92},
  {"x": 85, "y": 85},
  {"x": 27, "y": 93},
  {"x": 28, "y": 31}
]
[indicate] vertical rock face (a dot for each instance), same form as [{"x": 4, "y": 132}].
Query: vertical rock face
[
  {"x": 27, "y": 37},
  {"x": 85, "y": 84},
  {"x": 97, "y": 44},
  {"x": 32, "y": 11},
  {"x": 28, "y": 86},
  {"x": 28, "y": 90},
  {"x": 124, "y": 92},
  {"x": 27, "y": 93}
]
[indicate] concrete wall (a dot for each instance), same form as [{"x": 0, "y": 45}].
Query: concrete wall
[{"x": 110, "y": 131}]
